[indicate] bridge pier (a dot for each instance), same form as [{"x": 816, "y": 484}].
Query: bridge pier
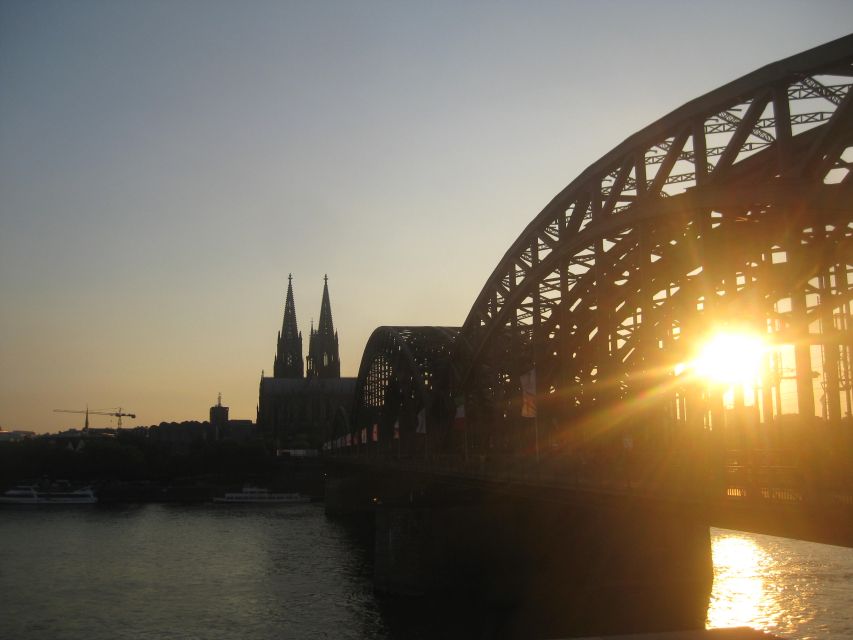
[
  {"x": 349, "y": 495},
  {"x": 581, "y": 565}
]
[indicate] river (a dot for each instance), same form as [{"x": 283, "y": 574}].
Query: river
[{"x": 210, "y": 572}]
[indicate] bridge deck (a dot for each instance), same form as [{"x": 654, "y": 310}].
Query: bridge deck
[{"x": 740, "y": 500}]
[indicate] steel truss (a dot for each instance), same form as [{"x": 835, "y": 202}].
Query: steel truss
[
  {"x": 734, "y": 210},
  {"x": 404, "y": 371}
]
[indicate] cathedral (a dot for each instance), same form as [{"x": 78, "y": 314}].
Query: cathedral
[{"x": 299, "y": 405}]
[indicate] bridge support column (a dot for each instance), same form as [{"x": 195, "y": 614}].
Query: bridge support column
[
  {"x": 349, "y": 495},
  {"x": 552, "y": 569}
]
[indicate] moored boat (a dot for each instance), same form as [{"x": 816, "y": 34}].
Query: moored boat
[
  {"x": 258, "y": 495},
  {"x": 55, "y": 494}
]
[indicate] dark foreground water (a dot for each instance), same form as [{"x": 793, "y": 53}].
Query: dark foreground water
[{"x": 208, "y": 572}]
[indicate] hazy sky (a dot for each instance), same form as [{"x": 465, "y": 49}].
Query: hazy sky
[{"x": 165, "y": 165}]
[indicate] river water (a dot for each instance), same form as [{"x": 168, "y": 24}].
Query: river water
[{"x": 209, "y": 572}]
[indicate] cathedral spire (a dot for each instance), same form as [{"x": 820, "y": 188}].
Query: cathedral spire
[
  {"x": 323, "y": 357},
  {"x": 325, "y": 326},
  {"x": 288, "y": 325},
  {"x": 288, "y": 357}
]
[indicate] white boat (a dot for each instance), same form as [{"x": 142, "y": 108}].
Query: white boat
[
  {"x": 257, "y": 495},
  {"x": 54, "y": 494}
]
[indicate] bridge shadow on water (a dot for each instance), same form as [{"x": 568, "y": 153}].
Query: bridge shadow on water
[
  {"x": 452, "y": 616},
  {"x": 419, "y": 617},
  {"x": 434, "y": 617}
]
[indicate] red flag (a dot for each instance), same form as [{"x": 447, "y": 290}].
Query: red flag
[{"x": 376, "y": 433}]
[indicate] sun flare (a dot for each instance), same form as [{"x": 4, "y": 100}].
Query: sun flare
[{"x": 731, "y": 358}]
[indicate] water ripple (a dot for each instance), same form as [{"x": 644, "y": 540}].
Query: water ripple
[
  {"x": 791, "y": 588},
  {"x": 207, "y": 572}
]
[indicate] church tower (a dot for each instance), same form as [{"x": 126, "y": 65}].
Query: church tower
[
  {"x": 323, "y": 358},
  {"x": 288, "y": 355}
]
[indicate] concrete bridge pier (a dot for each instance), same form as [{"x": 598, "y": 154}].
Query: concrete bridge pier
[
  {"x": 551, "y": 569},
  {"x": 350, "y": 495}
]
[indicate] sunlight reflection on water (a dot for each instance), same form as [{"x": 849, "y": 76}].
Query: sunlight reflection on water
[
  {"x": 787, "y": 587},
  {"x": 739, "y": 564}
]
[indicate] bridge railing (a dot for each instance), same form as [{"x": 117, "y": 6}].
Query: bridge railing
[{"x": 778, "y": 478}]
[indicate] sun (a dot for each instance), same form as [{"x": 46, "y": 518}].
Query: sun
[{"x": 731, "y": 358}]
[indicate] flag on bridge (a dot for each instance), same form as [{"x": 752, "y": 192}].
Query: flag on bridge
[
  {"x": 421, "y": 421},
  {"x": 459, "y": 417},
  {"x": 375, "y": 432},
  {"x": 528, "y": 394}
]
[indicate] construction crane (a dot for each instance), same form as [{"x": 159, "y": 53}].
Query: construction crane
[{"x": 116, "y": 413}]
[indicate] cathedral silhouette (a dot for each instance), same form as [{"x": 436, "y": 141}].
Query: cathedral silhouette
[{"x": 299, "y": 405}]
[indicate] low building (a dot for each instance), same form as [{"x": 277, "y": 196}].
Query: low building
[
  {"x": 15, "y": 435},
  {"x": 238, "y": 431},
  {"x": 180, "y": 436}
]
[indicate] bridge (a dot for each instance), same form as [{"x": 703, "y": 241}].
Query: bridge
[{"x": 666, "y": 345}]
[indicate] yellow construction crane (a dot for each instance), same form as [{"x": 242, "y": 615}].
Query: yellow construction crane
[{"x": 116, "y": 412}]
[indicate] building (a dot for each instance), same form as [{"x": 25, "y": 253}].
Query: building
[
  {"x": 218, "y": 418},
  {"x": 299, "y": 405},
  {"x": 225, "y": 430},
  {"x": 16, "y": 435},
  {"x": 180, "y": 437}
]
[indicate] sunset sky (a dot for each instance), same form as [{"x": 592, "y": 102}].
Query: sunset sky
[{"x": 165, "y": 165}]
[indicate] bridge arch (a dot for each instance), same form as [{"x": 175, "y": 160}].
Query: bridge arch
[
  {"x": 735, "y": 210},
  {"x": 401, "y": 380}
]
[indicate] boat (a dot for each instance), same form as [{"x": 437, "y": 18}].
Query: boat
[
  {"x": 258, "y": 495},
  {"x": 54, "y": 494}
]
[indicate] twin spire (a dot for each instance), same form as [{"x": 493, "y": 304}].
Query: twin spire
[
  {"x": 288, "y": 355},
  {"x": 323, "y": 359},
  {"x": 325, "y": 326}
]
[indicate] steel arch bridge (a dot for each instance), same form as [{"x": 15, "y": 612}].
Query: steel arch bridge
[
  {"x": 733, "y": 213},
  {"x": 401, "y": 384}
]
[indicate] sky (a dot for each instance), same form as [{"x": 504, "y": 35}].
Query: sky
[{"x": 164, "y": 165}]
